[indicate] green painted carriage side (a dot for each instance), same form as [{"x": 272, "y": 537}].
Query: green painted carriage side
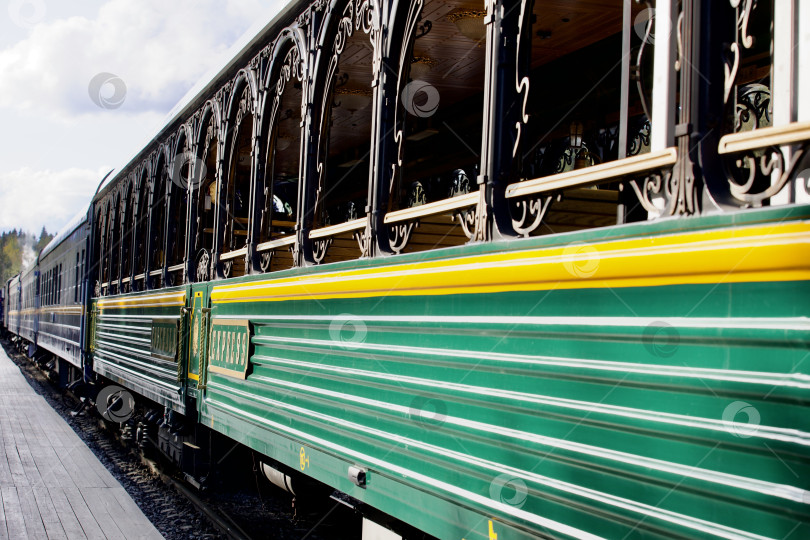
[
  {"x": 617, "y": 412},
  {"x": 130, "y": 345}
]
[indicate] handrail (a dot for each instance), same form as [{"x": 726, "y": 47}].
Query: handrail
[
  {"x": 595, "y": 174},
  {"x": 430, "y": 209},
  {"x": 276, "y": 243},
  {"x": 176, "y": 267},
  {"x": 233, "y": 254},
  {"x": 764, "y": 137},
  {"x": 334, "y": 230},
  {"x": 157, "y": 272}
]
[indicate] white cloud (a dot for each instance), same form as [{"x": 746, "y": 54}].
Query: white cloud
[
  {"x": 32, "y": 198},
  {"x": 158, "y": 48}
]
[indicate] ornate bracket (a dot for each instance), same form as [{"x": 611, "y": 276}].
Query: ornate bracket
[
  {"x": 468, "y": 219},
  {"x": 531, "y": 212},
  {"x": 667, "y": 192},
  {"x": 757, "y": 168},
  {"x": 319, "y": 249},
  {"x": 399, "y": 234},
  {"x": 265, "y": 260},
  {"x": 363, "y": 239}
]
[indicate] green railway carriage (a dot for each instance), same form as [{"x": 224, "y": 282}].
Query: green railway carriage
[
  {"x": 135, "y": 341},
  {"x": 492, "y": 269},
  {"x": 525, "y": 388}
]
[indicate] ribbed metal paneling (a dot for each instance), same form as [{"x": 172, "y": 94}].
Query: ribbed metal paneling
[
  {"x": 122, "y": 347},
  {"x": 665, "y": 411}
]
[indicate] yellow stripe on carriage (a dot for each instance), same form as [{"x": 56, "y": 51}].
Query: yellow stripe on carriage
[
  {"x": 763, "y": 253},
  {"x": 154, "y": 300}
]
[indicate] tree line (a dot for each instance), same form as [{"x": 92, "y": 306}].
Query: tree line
[{"x": 18, "y": 249}]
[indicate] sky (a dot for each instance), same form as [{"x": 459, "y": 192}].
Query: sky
[{"x": 85, "y": 84}]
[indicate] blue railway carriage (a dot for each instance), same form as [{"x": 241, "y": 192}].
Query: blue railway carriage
[
  {"x": 29, "y": 303},
  {"x": 62, "y": 264},
  {"x": 12, "y": 313}
]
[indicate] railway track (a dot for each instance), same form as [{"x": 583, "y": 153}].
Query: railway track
[{"x": 238, "y": 508}]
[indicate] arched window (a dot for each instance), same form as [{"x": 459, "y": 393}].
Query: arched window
[
  {"x": 438, "y": 125},
  {"x": 102, "y": 221},
  {"x": 205, "y": 195},
  {"x": 281, "y": 182},
  {"x": 115, "y": 242},
  {"x": 157, "y": 212},
  {"x": 178, "y": 200},
  {"x": 600, "y": 58},
  {"x": 344, "y": 144},
  {"x": 235, "y": 197},
  {"x": 141, "y": 228},
  {"x": 127, "y": 234}
]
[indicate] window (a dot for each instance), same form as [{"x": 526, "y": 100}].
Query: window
[
  {"x": 76, "y": 282},
  {"x": 235, "y": 198},
  {"x": 281, "y": 181},
  {"x": 589, "y": 101},
  {"x": 344, "y": 143},
  {"x": 439, "y": 117}
]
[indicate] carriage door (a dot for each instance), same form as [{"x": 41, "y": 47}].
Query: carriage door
[{"x": 198, "y": 327}]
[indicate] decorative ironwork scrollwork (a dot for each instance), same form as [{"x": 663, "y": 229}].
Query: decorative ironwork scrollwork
[
  {"x": 265, "y": 260},
  {"x": 399, "y": 235},
  {"x": 424, "y": 29},
  {"x": 460, "y": 184},
  {"x": 732, "y": 65},
  {"x": 319, "y": 249},
  {"x": 468, "y": 219},
  {"x": 363, "y": 239},
  {"x": 530, "y": 213},
  {"x": 756, "y": 169},
  {"x": 521, "y": 83},
  {"x": 203, "y": 265},
  {"x": 753, "y": 108},
  {"x": 417, "y": 195},
  {"x": 227, "y": 267},
  {"x": 641, "y": 140},
  {"x": 663, "y": 193}
]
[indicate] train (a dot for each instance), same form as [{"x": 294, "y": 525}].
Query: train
[{"x": 490, "y": 269}]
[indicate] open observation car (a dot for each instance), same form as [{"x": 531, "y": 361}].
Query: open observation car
[{"x": 494, "y": 269}]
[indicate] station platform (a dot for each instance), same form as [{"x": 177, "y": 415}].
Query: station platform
[{"x": 51, "y": 484}]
